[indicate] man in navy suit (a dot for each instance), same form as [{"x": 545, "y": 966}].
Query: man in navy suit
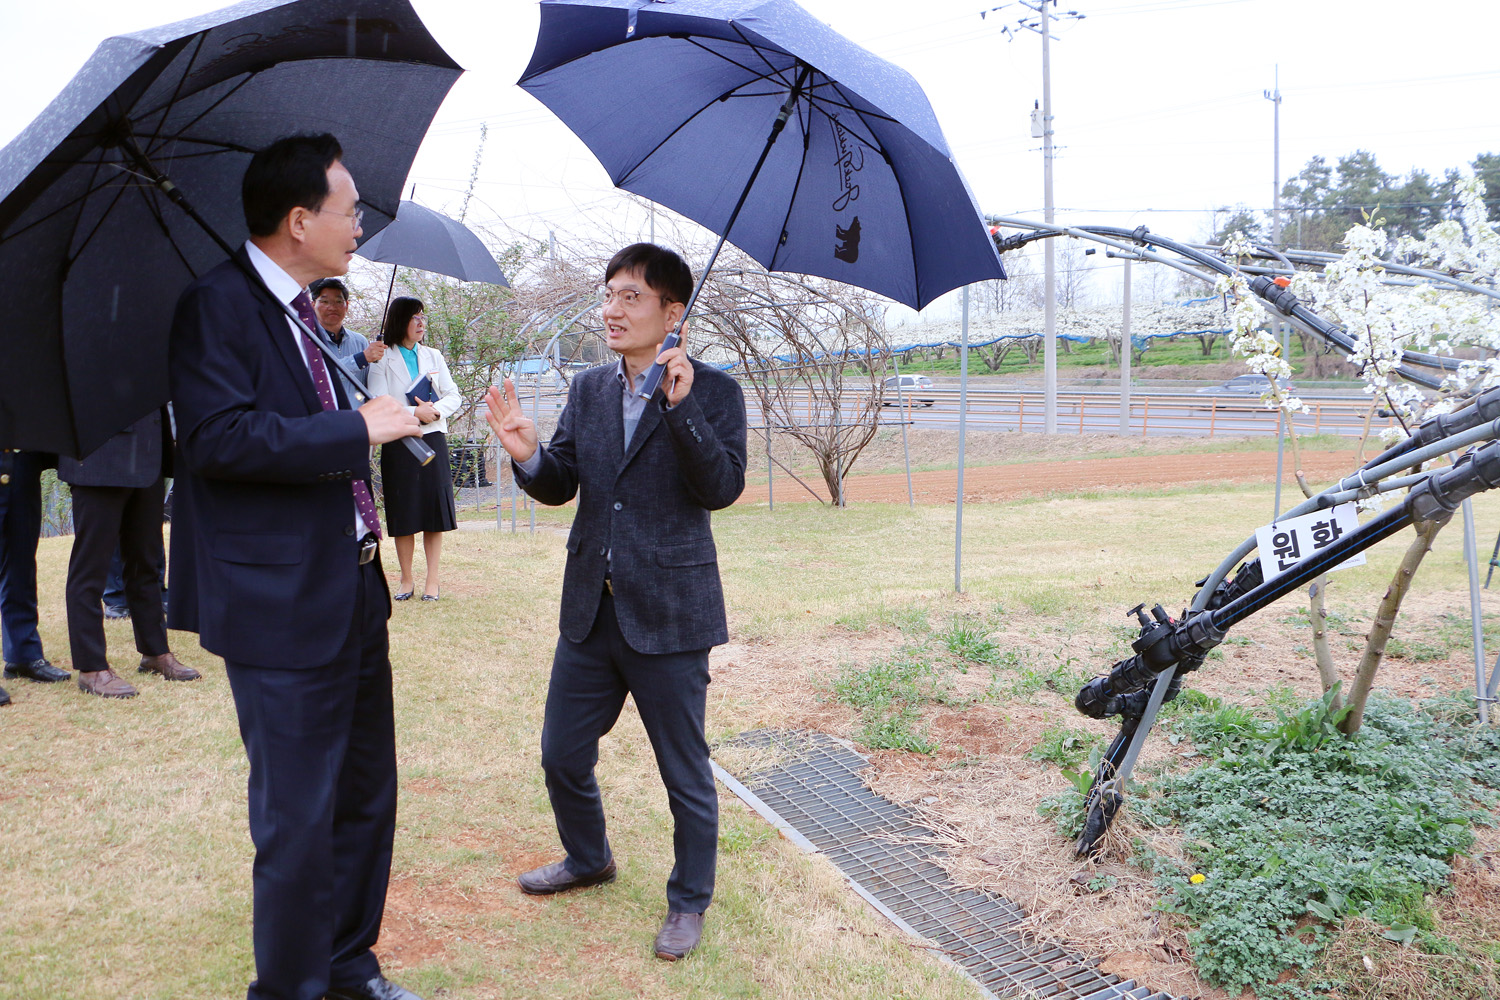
[
  {"x": 275, "y": 564},
  {"x": 20, "y": 527},
  {"x": 642, "y": 602}
]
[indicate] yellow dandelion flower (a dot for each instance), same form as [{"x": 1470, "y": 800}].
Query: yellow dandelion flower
[{"x": 1198, "y": 877}]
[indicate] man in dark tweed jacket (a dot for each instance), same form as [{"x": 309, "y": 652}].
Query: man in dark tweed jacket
[{"x": 641, "y": 601}]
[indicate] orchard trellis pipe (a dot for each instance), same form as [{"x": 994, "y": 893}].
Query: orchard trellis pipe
[{"x": 1107, "y": 791}]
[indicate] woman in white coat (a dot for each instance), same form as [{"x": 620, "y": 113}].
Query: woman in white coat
[{"x": 418, "y": 498}]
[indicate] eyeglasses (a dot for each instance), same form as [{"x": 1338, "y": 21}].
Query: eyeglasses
[
  {"x": 628, "y": 297},
  {"x": 356, "y": 218}
]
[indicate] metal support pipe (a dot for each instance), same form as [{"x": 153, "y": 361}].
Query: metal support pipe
[
  {"x": 1125, "y": 346},
  {"x": 1471, "y": 557},
  {"x": 963, "y": 410}
]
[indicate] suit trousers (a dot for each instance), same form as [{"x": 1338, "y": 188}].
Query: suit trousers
[
  {"x": 322, "y": 750},
  {"x": 587, "y": 691},
  {"x": 20, "y": 527},
  {"x": 104, "y": 516}
]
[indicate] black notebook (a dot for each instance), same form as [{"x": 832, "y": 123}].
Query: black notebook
[{"x": 421, "y": 390}]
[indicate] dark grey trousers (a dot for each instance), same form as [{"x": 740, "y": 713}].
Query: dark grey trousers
[{"x": 589, "y": 682}]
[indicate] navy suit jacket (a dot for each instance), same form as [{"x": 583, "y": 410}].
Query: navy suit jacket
[
  {"x": 136, "y": 457},
  {"x": 264, "y": 554},
  {"x": 649, "y": 505}
]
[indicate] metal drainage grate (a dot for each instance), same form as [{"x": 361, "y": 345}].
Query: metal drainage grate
[{"x": 815, "y": 793}]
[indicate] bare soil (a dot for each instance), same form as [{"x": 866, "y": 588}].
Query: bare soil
[{"x": 1043, "y": 478}]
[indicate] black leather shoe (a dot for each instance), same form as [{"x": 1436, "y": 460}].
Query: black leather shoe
[
  {"x": 37, "y": 670},
  {"x": 679, "y": 935},
  {"x": 116, "y": 611},
  {"x": 549, "y": 879},
  {"x": 379, "y": 988},
  {"x": 4, "y": 697}
]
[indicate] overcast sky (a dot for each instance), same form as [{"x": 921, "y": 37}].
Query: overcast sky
[{"x": 1159, "y": 111}]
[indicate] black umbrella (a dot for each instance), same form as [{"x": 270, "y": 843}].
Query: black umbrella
[
  {"x": 430, "y": 241},
  {"x": 92, "y": 256}
]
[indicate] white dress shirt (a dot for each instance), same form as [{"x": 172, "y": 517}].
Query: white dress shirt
[{"x": 285, "y": 288}]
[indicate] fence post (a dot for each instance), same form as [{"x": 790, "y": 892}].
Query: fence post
[
  {"x": 1145, "y": 416},
  {"x": 1213, "y": 416}
]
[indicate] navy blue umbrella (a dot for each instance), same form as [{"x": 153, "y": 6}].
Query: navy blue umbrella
[
  {"x": 684, "y": 102},
  {"x": 128, "y": 185},
  {"x": 431, "y": 241}
]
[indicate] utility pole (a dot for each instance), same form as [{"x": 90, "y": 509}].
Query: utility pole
[
  {"x": 1274, "y": 96},
  {"x": 1042, "y": 26}
]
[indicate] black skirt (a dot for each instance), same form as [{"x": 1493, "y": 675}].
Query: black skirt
[{"x": 417, "y": 497}]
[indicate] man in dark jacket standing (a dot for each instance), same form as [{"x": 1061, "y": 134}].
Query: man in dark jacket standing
[
  {"x": 642, "y": 602},
  {"x": 118, "y": 490}
]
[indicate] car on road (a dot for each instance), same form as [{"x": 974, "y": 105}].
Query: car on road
[
  {"x": 1243, "y": 386},
  {"x": 912, "y": 389}
]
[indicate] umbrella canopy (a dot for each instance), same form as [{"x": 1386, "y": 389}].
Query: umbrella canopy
[
  {"x": 676, "y": 100},
  {"x": 93, "y": 255},
  {"x": 430, "y": 241}
]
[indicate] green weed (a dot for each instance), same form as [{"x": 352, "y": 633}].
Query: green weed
[{"x": 1064, "y": 746}]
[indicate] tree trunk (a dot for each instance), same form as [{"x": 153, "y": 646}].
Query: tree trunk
[
  {"x": 1328, "y": 674},
  {"x": 1385, "y": 620}
]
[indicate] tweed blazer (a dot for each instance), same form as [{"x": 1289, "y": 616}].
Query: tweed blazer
[{"x": 643, "y": 510}]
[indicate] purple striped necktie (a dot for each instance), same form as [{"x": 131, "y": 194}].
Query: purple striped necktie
[{"x": 362, "y": 499}]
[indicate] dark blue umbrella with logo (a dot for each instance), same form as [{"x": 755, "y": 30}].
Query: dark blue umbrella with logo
[{"x": 758, "y": 121}]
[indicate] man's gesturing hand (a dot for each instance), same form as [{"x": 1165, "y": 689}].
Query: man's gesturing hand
[
  {"x": 515, "y": 431},
  {"x": 387, "y": 420}
]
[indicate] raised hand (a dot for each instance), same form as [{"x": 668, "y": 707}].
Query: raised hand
[{"x": 515, "y": 431}]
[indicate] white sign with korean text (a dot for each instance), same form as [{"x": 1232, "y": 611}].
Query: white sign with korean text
[{"x": 1287, "y": 542}]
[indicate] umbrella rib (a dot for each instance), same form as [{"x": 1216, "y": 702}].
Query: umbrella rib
[
  {"x": 756, "y": 49},
  {"x": 206, "y": 111},
  {"x": 54, "y": 213},
  {"x": 73, "y": 255},
  {"x": 668, "y": 138},
  {"x": 755, "y": 73},
  {"x": 166, "y": 108},
  {"x": 154, "y": 205},
  {"x": 218, "y": 145}
]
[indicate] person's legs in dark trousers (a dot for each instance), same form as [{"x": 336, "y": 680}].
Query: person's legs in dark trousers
[
  {"x": 97, "y": 511},
  {"x": 364, "y": 820},
  {"x": 670, "y": 692},
  {"x": 584, "y": 699},
  {"x": 322, "y": 802},
  {"x": 140, "y": 540},
  {"x": 114, "y": 588},
  {"x": 114, "y": 583},
  {"x": 20, "y": 527}
]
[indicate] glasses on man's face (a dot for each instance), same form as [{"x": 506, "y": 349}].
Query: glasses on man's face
[
  {"x": 627, "y": 297},
  {"x": 356, "y": 218}
]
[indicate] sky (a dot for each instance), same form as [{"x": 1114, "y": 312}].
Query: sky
[{"x": 1159, "y": 106}]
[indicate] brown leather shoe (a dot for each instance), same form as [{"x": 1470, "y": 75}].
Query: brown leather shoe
[
  {"x": 105, "y": 683},
  {"x": 166, "y": 664},
  {"x": 679, "y": 935},
  {"x": 556, "y": 877}
]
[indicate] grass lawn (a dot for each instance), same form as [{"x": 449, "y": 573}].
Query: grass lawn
[{"x": 124, "y": 856}]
